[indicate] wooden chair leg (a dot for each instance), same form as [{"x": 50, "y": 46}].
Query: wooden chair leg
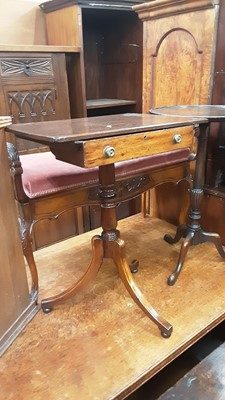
[
  {"x": 25, "y": 227},
  {"x": 79, "y": 220},
  {"x": 145, "y": 203}
]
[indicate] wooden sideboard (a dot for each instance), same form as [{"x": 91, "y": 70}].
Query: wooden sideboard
[{"x": 17, "y": 307}]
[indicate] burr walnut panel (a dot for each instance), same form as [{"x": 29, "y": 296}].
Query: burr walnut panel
[
  {"x": 177, "y": 56},
  {"x": 168, "y": 73}
]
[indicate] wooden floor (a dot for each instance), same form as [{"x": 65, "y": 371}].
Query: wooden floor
[{"x": 100, "y": 345}]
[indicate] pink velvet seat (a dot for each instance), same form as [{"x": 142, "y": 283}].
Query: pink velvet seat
[{"x": 43, "y": 175}]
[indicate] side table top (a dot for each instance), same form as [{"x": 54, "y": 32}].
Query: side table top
[
  {"x": 96, "y": 127},
  {"x": 211, "y": 112}
]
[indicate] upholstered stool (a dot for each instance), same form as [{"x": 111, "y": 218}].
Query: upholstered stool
[{"x": 45, "y": 187}]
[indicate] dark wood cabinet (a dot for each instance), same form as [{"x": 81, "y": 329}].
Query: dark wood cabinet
[
  {"x": 109, "y": 69},
  {"x": 33, "y": 87},
  {"x": 110, "y": 36}
]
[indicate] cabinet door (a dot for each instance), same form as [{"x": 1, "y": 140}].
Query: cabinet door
[
  {"x": 178, "y": 59},
  {"x": 34, "y": 88}
]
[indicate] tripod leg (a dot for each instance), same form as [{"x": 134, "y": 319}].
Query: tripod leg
[
  {"x": 183, "y": 251},
  {"x": 181, "y": 232},
  {"x": 215, "y": 239}
]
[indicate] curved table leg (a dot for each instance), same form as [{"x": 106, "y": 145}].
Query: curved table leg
[
  {"x": 24, "y": 223},
  {"x": 215, "y": 239},
  {"x": 183, "y": 251},
  {"x": 97, "y": 257},
  {"x": 181, "y": 232},
  {"x": 28, "y": 254},
  {"x": 119, "y": 258}
]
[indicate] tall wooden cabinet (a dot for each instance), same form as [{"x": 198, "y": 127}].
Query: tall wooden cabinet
[
  {"x": 178, "y": 51},
  {"x": 110, "y": 36},
  {"x": 16, "y": 305},
  {"x": 182, "y": 41}
]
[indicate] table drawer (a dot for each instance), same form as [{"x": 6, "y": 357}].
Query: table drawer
[{"x": 110, "y": 150}]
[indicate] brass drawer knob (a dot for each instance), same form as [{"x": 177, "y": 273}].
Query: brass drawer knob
[
  {"x": 177, "y": 138},
  {"x": 109, "y": 151}
]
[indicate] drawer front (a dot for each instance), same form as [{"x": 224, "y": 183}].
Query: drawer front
[
  {"x": 26, "y": 67},
  {"x": 110, "y": 150}
]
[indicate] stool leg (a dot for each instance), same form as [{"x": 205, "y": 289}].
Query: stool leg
[
  {"x": 114, "y": 247},
  {"x": 28, "y": 253},
  {"x": 97, "y": 257},
  {"x": 118, "y": 254},
  {"x": 25, "y": 228}
]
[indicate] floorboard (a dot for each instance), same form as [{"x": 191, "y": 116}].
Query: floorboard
[{"x": 99, "y": 345}]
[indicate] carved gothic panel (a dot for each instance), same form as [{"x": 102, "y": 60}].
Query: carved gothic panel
[{"x": 35, "y": 105}]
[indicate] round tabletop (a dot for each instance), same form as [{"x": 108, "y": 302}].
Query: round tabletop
[{"x": 210, "y": 112}]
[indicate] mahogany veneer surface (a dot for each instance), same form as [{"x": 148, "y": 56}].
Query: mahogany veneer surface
[
  {"x": 97, "y": 127},
  {"x": 100, "y": 345}
]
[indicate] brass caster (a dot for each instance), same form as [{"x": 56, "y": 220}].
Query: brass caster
[
  {"x": 166, "y": 335},
  {"x": 46, "y": 310},
  {"x": 168, "y": 238},
  {"x": 134, "y": 266},
  {"x": 172, "y": 279}
]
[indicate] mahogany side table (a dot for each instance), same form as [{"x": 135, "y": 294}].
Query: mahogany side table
[
  {"x": 192, "y": 231},
  {"x": 103, "y": 141}
]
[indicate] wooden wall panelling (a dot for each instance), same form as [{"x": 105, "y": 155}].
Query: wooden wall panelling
[
  {"x": 16, "y": 305},
  {"x": 178, "y": 62}
]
